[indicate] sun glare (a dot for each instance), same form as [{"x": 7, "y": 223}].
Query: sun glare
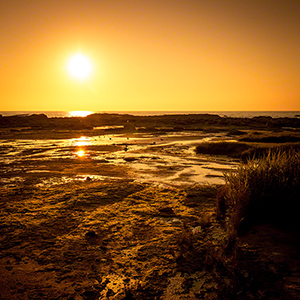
[{"x": 79, "y": 66}]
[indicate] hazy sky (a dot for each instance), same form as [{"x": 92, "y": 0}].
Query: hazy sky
[{"x": 151, "y": 55}]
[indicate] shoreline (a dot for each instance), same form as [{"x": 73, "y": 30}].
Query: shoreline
[{"x": 167, "y": 158}]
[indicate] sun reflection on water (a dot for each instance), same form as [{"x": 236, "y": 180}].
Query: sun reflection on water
[
  {"x": 80, "y": 153},
  {"x": 79, "y": 113},
  {"x": 82, "y": 141}
]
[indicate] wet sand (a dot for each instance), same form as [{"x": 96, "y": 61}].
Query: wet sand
[{"x": 167, "y": 158}]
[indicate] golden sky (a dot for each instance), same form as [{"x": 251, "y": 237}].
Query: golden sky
[{"x": 151, "y": 55}]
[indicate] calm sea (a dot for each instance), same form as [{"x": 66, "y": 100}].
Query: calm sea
[{"x": 236, "y": 114}]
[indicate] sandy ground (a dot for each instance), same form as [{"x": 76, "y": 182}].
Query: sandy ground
[{"x": 116, "y": 237}]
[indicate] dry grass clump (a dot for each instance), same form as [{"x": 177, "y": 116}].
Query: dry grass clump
[
  {"x": 263, "y": 150},
  {"x": 264, "y": 190},
  {"x": 271, "y": 138},
  {"x": 232, "y": 149},
  {"x": 244, "y": 151}
]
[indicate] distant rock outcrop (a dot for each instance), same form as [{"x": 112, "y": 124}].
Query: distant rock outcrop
[
  {"x": 41, "y": 121},
  {"x": 131, "y": 122}
]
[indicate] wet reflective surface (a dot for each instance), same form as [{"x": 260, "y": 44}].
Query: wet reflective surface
[{"x": 159, "y": 158}]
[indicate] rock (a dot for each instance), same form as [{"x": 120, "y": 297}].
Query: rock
[
  {"x": 166, "y": 212},
  {"x": 102, "y": 161},
  {"x": 176, "y": 222},
  {"x": 91, "y": 234},
  {"x": 90, "y": 294},
  {"x": 236, "y": 132},
  {"x": 129, "y": 159},
  {"x": 196, "y": 229}
]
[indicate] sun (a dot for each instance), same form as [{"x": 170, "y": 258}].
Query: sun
[{"x": 79, "y": 66}]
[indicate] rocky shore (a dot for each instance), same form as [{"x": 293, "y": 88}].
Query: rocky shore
[
  {"x": 131, "y": 122},
  {"x": 111, "y": 236}
]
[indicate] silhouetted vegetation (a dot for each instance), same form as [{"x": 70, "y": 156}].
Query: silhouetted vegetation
[
  {"x": 232, "y": 149},
  {"x": 279, "y": 138},
  {"x": 244, "y": 151},
  {"x": 264, "y": 190}
]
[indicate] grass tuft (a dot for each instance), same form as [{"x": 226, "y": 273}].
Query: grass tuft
[{"x": 263, "y": 190}]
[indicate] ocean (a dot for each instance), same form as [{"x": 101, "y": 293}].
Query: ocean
[{"x": 234, "y": 114}]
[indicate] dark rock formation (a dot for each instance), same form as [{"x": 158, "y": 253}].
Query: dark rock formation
[{"x": 131, "y": 122}]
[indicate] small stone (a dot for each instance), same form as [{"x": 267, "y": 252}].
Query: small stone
[
  {"x": 196, "y": 229},
  {"x": 176, "y": 221},
  {"x": 91, "y": 233},
  {"x": 129, "y": 159}
]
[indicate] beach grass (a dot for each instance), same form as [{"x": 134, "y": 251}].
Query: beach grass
[
  {"x": 232, "y": 149},
  {"x": 271, "y": 138},
  {"x": 262, "y": 190},
  {"x": 245, "y": 151}
]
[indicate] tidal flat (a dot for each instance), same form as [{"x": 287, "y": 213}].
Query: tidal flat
[{"x": 120, "y": 207}]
